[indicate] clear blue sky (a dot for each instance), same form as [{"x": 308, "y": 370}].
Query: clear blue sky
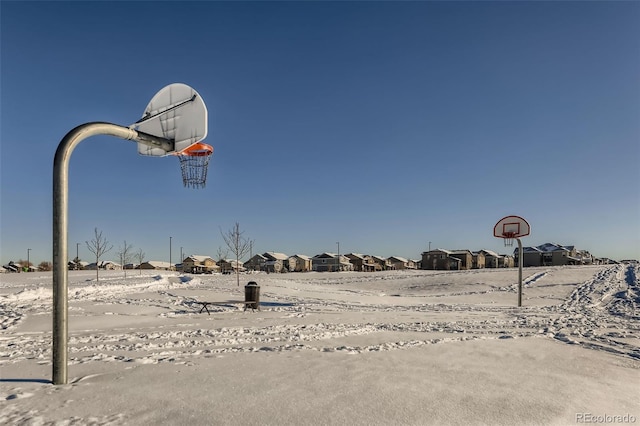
[{"x": 380, "y": 125}]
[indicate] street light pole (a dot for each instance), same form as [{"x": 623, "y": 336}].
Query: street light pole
[
  {"x": 429, "y": 245},
  {"x": 338, "y": 243},
  {"x": 181, "y": 256},
  {"x": 28, "y": 263},
  {"x": 77, "y": 261}
]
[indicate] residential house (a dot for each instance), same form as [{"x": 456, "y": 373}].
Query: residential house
[
  {"x": 466, "y": 258},
  {"x": 556, "y": 254},
  {"x": 358, "y": 261},
  {"x": 276, "y": 262},
  {"x": 17, "y": 267},
  {"x": 199, "y": 264},
  {"x": 441, "y": 259},
  {"x": 550, "y": 254},
  {"x": 369, "y": 264},
  {"x": 76, "y": 266},
  {"x": 299, "y": 263},
  {"x": 13, "y": 267},
  {"x": 228, "y": 266},
  {"x": 256, "y": 263},
  {"x": 531, "y": 256},
  {"x": 586, "y": 258},
  {"x": 344, "y": 263},
  {"x": 380, "y": 263},
  {"x": 111, "y": 266},
  {"x": 506, "y": 261},
  {"x": 478, "y": 260},
  {"x": 330, "y": 262},
  {"x": 401, "y": 263},
  {"x": 491, "y": 258},
  {"x": 324, "y": 262},
  {"x": 105, "y": 264},
  {"x": 156, "y": 264}
]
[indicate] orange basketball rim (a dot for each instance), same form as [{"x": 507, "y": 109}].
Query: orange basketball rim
[
  {"x": 194, "y": 163},
  {"x": 198, "y": 149}
]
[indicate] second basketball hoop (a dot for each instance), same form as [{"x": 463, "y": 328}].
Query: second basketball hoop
[
  {"x": 510, "y": 228},
  {"x": 194, "y": 164}
]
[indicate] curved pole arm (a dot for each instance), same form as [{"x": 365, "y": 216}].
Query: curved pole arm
[{"x": 60, "y": 227}]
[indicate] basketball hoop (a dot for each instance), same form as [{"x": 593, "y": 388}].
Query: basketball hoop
[
  {"x": 508, "y": 238},
  {"x": 194, "y": 163},
  {"x": 512, "y": 228}
]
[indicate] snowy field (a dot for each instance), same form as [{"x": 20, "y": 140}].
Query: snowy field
[{"x": 385, "y": 348}]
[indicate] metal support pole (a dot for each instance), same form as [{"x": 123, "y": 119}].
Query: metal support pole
[
  {"x": 60, "y": 227},
  {"x": 519, "y": 271}
]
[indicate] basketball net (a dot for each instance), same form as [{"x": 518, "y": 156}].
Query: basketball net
[
  {"x": 194, "y": 163},
  {"x": 508, "y": 238}
]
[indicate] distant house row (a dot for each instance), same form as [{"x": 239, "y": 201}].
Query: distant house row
[
  {"x": 270, "y": 262},
  {"x": 326, "y": 262},
  {"x": 273, "y": 262},
  {"x": 108, "y": 265},
  {"x": 549, "y": 254},
  {"x": 17, "y": 267},
  {"x": 438, "y": 259},
  {"x": 455, "y": 260}
]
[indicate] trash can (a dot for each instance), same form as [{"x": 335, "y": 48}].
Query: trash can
[{"x": 252, "y": 294}]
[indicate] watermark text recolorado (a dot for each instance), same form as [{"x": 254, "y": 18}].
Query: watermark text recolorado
[{"x": 605, "y": 418}]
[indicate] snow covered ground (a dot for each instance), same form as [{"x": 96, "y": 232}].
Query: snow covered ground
[{"x": 397, "y": 347}]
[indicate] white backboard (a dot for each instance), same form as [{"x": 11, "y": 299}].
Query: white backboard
[
  {"x": 511, "y": 224},
  {"x": 176, "y": 112}
]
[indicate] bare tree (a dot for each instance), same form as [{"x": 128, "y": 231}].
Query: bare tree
[
  {"x": 99, "y": 246},
  {"x": 45, "y": 266},
  {"x": 237, "y": 244},
  {"x": 125, "y": 254},
  {"x": 222, "y": 254},
  {"x": 140, "y": 258},
  {"x": 76, "y": 263},
  {"x": 25, "y": 265}
]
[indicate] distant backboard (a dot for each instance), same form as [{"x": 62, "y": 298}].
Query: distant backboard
[
  {"x": 176, "y": 112},
  {"x": 511, "y": 227}
]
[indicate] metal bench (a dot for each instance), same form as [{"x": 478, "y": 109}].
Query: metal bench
[{"x": 247, "y": 304}]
